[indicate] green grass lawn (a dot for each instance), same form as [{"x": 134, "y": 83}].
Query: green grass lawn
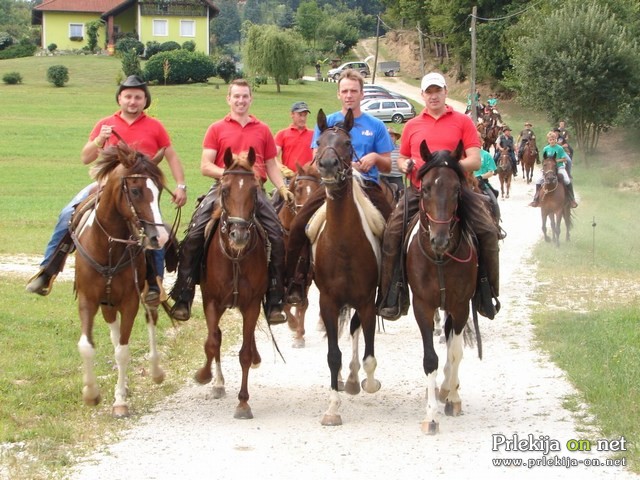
[{"x": 588, "y": 295}]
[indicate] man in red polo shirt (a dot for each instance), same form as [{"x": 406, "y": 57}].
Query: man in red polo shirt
[
  {"x": 294, "y": 142},
  {"x": 442, "y": 128},
  {"x": 239, "y": 131}
]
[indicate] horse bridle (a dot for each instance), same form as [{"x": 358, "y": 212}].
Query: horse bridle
[
  {"x": 227, "y": 221},
  {"x": 345, "y": 172},
  {"x": 296, "y": 206}
]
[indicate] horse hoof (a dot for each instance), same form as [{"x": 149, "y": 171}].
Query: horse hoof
[
  {"x": 452, "y": 409},
  {"x": 159, "y": 377},
  {"x": 298, "y": 343},
  {"x": 202, "y": 376},
  {"x": 340, "y": 386},
  {"x": 218, "y": 392},
  {"x": 371, "y": 387},
  {"x": 243, "y": 413},
  {"x": 331, "y": 420},
  {"x": 92, "y": 402},
  {"x": 430, "y": 428},
  {"x": 442, "y": 394},
  {"x": 120, "y": 411},
  {"x": 352, "y": 388}
]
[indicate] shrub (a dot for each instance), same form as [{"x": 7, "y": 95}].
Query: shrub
[
  {"x": 58, "y": 75},
  {"x": 169, "y": 46},
  {"x": 12, "y": 78},
  {"x": 151, "y": 49},
  {"x": 189, "y": 46},
  {"x": 131, "y": 63},
  {"x": 52, "y": 47},
  {"x": 128, "y": 43},
  {"x": 226, "y": 69},
  {"x": 6, "y": 40},
  {"x": 24, "y": 48},
  {"x": 184, "y": 66}
]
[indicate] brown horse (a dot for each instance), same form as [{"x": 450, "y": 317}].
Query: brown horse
[
  {"x": 554, "y": 202},
  {"x": 528, "y": 159},
  {"x": 491, "y": 132},
  {"x": 505, "y": 172},
  {"x": 235, "y": 274},
  {"x": 346, "y": 262},
  {"x": 302, "y": 185},
  {"x": 110, "y": 264},
  {"x": 442, "y": 268}
]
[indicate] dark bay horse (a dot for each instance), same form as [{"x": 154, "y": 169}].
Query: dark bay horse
[
  {"x": 554, "y": 202},
  {"x": 235, "y": 274},
  {"x": 491, "y": 132},
  {"x": 302, "y": 185},
  {"x": 442, "y": 268},
  {"x": 110, "y": 262},
  {"x": 346, "y": 256},
  {"x": 505, "y": 172},
  {"x": 528, "y": 160}
]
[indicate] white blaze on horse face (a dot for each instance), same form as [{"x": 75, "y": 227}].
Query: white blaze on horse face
[
  {"x": 163, "y": 236},
  {"x": 241, "y": 183}
]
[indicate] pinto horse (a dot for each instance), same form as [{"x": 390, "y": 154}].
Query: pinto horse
[
  {"x": 346, "y": 257},
  {"x": 235, "y": 274},
  {"x": 528, "y": 159},
  {"x": 505, "y": 172},
  {"x": 110, "y": 262},
  {"x": 554, "y": 203},
  {"x": 441, "y": 267},
  {"x": 303, "y": 184}
]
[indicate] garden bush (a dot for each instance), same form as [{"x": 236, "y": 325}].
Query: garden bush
[
  {"x": 151, "y": 49},
  {"x": 127, "y": 43},
  {"x": 12, "y": 78},
  {"x": 52, "y": 47},
  {"x": 169, "y": 46},
  {"x": 226, "y": 69},
  {"x": 184, "y": 66},
  {"x": 6, "y": 40},
  {"x": 58, "y": 75},
  {"x": 189, "y": 46},
  {"x": 24, "y": 48},
  {"x": 131, "y": 63}
]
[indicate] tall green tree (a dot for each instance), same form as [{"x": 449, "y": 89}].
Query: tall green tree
[
  {"x": 226, "y": 26},
  {"x": 308, "y": 19},
  {"x": 273, "y": 52},
  {"x": 580, "y": 64}
]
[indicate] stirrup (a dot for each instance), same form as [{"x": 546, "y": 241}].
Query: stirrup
[
  {"x": 181, "y": 311},
  {"x": 41, "y": 283}
]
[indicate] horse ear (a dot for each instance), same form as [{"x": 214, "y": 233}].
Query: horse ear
[
  {"x": 544, "y": 155},
  {"x": 348, "y": 121},
  {"x": 424, "y": 151},
  {"x": 251, "y": 156},
  {"x": 457, "y": 154},
  {"x": 228, "y": 158},
  {"x": 321, "y": 120}
]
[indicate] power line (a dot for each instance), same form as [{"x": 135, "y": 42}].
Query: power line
[{"x": 496, "y": 19}]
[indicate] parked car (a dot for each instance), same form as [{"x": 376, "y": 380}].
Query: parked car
[
  {"x": 362, "y": 67},
  {"x": 389, "y": 110},
  {"x": 370, "y": 94},
  {"x": 371, "y": 88}
]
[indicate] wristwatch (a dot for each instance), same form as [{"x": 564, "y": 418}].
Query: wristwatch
[{"x": 182, "y": 187}]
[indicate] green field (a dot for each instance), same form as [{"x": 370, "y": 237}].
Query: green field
[{"x": 594, "y": 338}]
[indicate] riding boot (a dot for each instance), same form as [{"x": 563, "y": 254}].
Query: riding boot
[
  {"x": 190, "y": 258},
  {"x": 42, "y": 282},
  {"x": 536, "y": 197},
  {"x": 151, "y": 296},
  {"x": 514, "y": 164},
  {"x": 572, "y": 197},
  {"x": 488, "y": 288}
]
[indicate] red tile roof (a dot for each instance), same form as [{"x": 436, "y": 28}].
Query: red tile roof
[{"x": 98, "y": 6}]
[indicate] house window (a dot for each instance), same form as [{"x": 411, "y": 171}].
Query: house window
[
  {"x": 76, "y": 31},
  {"x": 187, "y": 28},
  {"x": 160, "y": 28}
]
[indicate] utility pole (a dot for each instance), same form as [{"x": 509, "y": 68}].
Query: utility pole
[
  {"x": 375, "y": 59},
  {"x": 474, "y": 110}
]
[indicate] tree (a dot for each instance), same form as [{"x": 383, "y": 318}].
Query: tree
[
  {"x": 308, "y": 18},
  {"x": 580, "y": 64},
  {"x": 226, "y": 26},
  {"x": 273, "y": 52}
]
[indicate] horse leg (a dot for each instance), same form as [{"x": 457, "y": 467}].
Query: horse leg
[
  {"x": 544, "y": 225},
  {"x": 352, "y": 386},
  {"x": 157, "y": 373},
  {"x": 424, "y": 317},
  {"x": 212, "y": 350},
  {"x": 368, "y": 316},
  {"x": 451, "y": 384},
  {"x": 247, "y": 356},
  {"x": 329, "y": 314},
  {"x": 296, "y": 322},
  {"x": 122, "y": 355},
  {"x": 90, "y": 389}
]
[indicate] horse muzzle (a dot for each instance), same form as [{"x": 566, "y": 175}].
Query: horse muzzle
[{"x": 154, "y": 238}]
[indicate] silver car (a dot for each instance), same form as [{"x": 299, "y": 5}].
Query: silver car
[
  {"x": 389, "y": 109},
  {"x": 370, "y": 90}
]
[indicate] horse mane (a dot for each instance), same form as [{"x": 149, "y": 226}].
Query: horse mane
[{"x": 135, "y": 162}]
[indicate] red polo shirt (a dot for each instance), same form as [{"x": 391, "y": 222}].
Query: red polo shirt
[
  {"x": 227, "y": 133},
  {"x": 442, "y": 133},
  {"x": 145, "y": 134},
  {"x": 296, "y": 146}
]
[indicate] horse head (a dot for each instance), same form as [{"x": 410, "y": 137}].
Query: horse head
[
  {"x": 550, "y": 169},
  {"x": 306, "y": 181},
  {"x": 335, "y": 153},
  {"x": 238, "y": 198},
  {"x": 504, "y": 160},
  {"x": 441, "y": 181},
  {"x": 132, "y": 185}
]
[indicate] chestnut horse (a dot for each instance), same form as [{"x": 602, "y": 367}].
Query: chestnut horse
[
  {"x": 235, "y": 275},
  {"x": 346, "y": 257},
  {"x": 302, "y": 185},
  {"x": 528, "y": 160},
  {"x": 554, "y": 202},
  {"x": 110, "y": 264},
  {"x": 505, "y": 172},
  {"x": 491, "y": 132},
  {"x": 441, "y": 267}
]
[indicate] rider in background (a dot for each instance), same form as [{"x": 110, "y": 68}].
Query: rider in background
[
  {"x": 523, "y": 138},
  {"x": 483, "y": 174},
  {"x": 548, "y": 151},
  {"x": 505, "y": 140},
  {"x": 142, "y": 133}
]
